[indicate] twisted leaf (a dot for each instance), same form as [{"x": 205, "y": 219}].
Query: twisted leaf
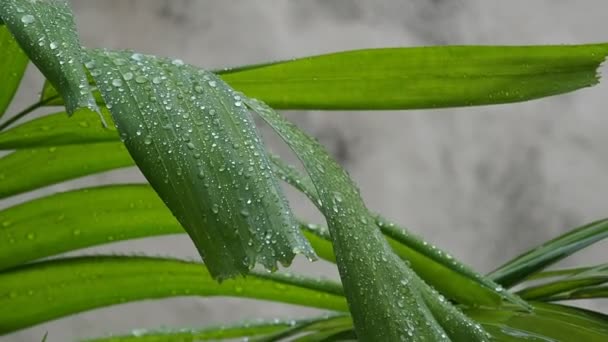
[
  {"x": 196, "y": 144},
  {"x": 387, "y": 300},
  {"x": 47, "y": 33}
]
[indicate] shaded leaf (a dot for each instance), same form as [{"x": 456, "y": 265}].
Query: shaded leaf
[
  {"x": 196, "y": 144},
  {"x": 538, "y": 258},
  {"x": 589, "y": 292},
  {"x": 25, "y": 170},
  {"x": 56, "y": 129},
  {"x": 13, "y": 62},
  {"x": 386, "y": 299},
  {"x": 450, "y": 277},
  {"x": 47, "y": 33},
  {"x": 408, "y": 78},
  {"x": 71, "y": 285}
]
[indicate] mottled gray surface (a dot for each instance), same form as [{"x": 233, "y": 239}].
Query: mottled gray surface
[{"x": 484, "y": 183}]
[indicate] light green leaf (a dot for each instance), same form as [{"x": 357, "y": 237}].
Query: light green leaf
[
  {"x": 29, "y": 169},
  {"x": 229, "y": 331},
  {"x": 419, "y": 77},
  {"x": 547, "y": 322},
  {"x": 56, "y": 129},
  {"x": 538, "y": 258},
  {"x": 561, "y": 287},
  {"x": 590, "y": 292},
  {"x": 450, "y": 277},
  {"x": 39, "y": 292},
  {"x": 386, "y": 299},
  {"x": 87, "y": 217},
  {"x": 192, "y": 138},
  {"x": 13, "y": 62},
  {"x": 56, "y": 52}
]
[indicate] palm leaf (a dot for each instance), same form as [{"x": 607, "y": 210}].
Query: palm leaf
[{"x": 13, "y": 62}]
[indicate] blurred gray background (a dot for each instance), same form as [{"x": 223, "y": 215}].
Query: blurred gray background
[{"x": 484, "y": 183}]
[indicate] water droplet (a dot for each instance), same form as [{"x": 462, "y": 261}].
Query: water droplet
[
  {"x": 128, "y": 76},
  {"x": 27, "y": 19},
  {"x": 244, "y": 213},
  {"x": 215, "y": 208},
  {"x": 177, "y": 62},
  {"x": 190, "y": 146},
  {"x": 117, "y": 82},
  {"x": 201, "y": 174},
  {"x": 53, "y": 45},
  {"x": 141, "y": 79},
  {"x": 156, "y": 80},
  {"x": 136, "y": 56},
  {"x": 212, "y": 84},
  {"x": 31, "y": 236},
  {"x": 238, "y": 103},
  {"x": 198, "y": 88},
  {"x": 147, "y": 140}
]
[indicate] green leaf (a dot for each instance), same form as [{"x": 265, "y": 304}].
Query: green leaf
[
  {"x": 13, "y": 62},
  {"x": 56, "y": 52},
  {"x": 450, "y": 277},
  {"x": 321, "y": 324},
  {"x": 586, "y": 278},
  {"x": 386, "y": 298},
  {"x": 196, "y": 143},
  {"x": 547, "y": 322},
  {"x": 39, "y": 292},
  {"x": 25, "y": 170},
  {"x": 230, "y": 331},
  {"x": 56, "y": 129},
  {"x": 420, "y": 77},
  {"x": 538, "y": 258},
  {"x": 590, "y": 292},
  {"x": 87, "y": 217}
]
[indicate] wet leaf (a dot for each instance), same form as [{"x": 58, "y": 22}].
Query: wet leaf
[
  {"x": 446, "y": 274},
  {"x": 13, "y": 62},
  {"x": 386, "y": 298},
  {"x": 417, "y": 77},
  {"x": 30, "y": 169},
  {"x": 538, "y": 258},
  {"x": 47, "y": 33},
  {"x": 71, "y": 285},
  {"x": 561, "y": 287},
  {"x": 195, "y": 142}
]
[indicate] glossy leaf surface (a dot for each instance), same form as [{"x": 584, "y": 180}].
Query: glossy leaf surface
[
  {"x": 47, "y": 33},
  {"x": 72, "y": 285}
]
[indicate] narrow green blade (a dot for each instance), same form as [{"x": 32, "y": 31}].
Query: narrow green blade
[
  {"x": 13, "y": 62},
  {"x": 561, "y": 287},
  {"x": 547, "y": 322},
  {"x": 528, "y": 263},
  {"x": 56, "y": 52},
  {"x": 72, "y": 220},
  {"x": 192, "y": 138},
  {"x": 387, "y": 300},
  {"x": 47, "y": 290},
  {"x": 29, "y": 169},
  {"x": 446, "y": 274},
  {"x": 590, "y": 292},
  {"x": 419, "y": 77},
  {"x": 230, "y": 331},
  {"x": 56, "y": 129}
]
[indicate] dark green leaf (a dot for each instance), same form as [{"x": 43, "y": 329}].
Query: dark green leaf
[
  {"x": 25, "y": 170},
  {"x": 13, "y": 62},
  {"x": 387, "y": 300},
  {"x": 450, "y": 277},
  {"x": 421, "y": 77},
  {"x": 321, "y": 324},
  {"x": 56, "y": 129},
  {"x": 196, "y": 143},
  {"x": 47, "y": 290},
  {"x": 528, "y": 263},
  {"x": 590, "y": 292},
  {"x": 47, "y": 33}
]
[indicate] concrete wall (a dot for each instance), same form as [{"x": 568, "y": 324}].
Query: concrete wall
[{"x": 483, "y": 183}]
